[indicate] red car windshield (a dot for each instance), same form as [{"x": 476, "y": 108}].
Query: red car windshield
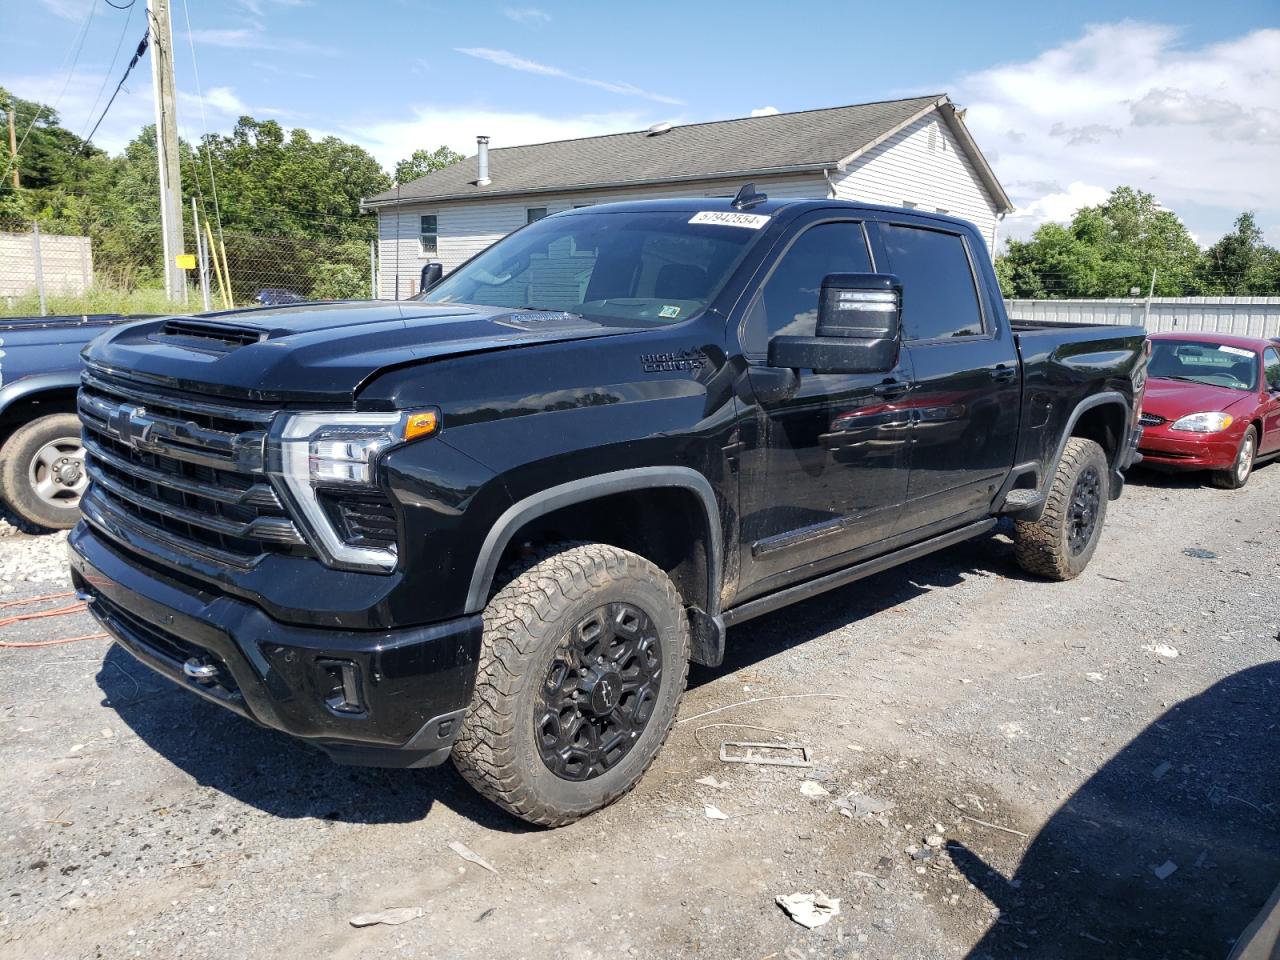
[{"x": 1214, "y": 364}]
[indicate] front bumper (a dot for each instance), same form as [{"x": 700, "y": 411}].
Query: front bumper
[
  {"x": 380, "y": 698},
  {"x": 1188, "y": 451}
]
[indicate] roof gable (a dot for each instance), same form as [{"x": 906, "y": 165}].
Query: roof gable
[{"x": 805, "y": 140}]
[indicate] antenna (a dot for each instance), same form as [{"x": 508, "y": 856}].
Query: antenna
[{"x": 748, "y": 197}]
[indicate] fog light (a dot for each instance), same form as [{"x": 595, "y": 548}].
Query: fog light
[{"x": 340, "y": 686}]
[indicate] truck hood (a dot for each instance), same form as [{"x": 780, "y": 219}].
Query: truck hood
[
  {"x": 1172, "y": 399},
  {"x": 322, "y": 352}
]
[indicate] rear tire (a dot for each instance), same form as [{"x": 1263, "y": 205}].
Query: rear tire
[
  {"x": 1241, "y": 470},
  {"x": 582, "y": 666},
  {"x": 42, "y": 471},
  {"x": 1060, "y": 544}
]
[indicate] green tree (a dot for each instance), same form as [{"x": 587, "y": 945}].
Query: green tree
[
  {"x": 423, "y": 162},
  {"x": 1105, "y": 251},
  {"x": 1241, "y": 263}
]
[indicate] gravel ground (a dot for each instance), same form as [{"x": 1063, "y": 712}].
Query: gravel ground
[{"x": 1086, "y": 792}]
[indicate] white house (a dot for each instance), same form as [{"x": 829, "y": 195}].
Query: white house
[{"x": 908, "y": 153}]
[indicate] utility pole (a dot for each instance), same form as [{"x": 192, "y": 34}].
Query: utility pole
[
  {"x": 175, "y": 279},
  {"x": 13, "y": 144}
]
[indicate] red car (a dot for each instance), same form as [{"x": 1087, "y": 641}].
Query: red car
[{"x": 1212, "y": 403}]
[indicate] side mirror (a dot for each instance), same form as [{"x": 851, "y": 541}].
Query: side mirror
[
  {"x": 432, "y": 274},
  {"x": 858, "y": 328}
]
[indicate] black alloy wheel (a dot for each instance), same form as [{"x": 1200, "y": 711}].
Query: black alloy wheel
[
  {"x": 1083, "y": 517},
  {"x": 599, "y": 692}
]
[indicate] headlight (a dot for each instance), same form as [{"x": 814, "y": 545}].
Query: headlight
[
  {"x": 336, "y": 452},
  {"x": 1203, "y": 422}
]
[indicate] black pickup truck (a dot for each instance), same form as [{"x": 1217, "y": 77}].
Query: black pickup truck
[
  {"x": 498, "y": 522},
  {"x": 41, "y": 462}
]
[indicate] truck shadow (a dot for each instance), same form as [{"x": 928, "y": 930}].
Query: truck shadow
[
  {"x": 273, "y": 772},
  {"x": 1199, "y": 789},
  {"x": 776, "y": 632}
]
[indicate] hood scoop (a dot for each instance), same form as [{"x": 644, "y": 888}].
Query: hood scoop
[
  {"x": 540, "y": 320},
  {"x": 203, "y": 334}
]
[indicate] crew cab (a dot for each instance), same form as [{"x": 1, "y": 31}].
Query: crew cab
[
  {"x": 498, "y": 521},
  {"x": 41, "y": 462}
]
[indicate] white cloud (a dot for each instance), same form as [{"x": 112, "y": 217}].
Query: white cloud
[
  {"x": 256, "y": 38},
  {"x": 1132, "y": 103},
  {"x": 456, "y": 127},
  {"x": 67, "y": 9},
  {"x": 526, "y": 15},
  {"x": 224, "y": 102},
  {"x": 1058, "y": 206},
  {"x": 256, "y": 7},
  {"x": 504, "y": 58},
  {"x": 764, "y": 111}
]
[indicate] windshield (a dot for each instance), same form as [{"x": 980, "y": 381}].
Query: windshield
[
  {"x": 648, "y": 266},
  {"x": 1210, "y": 363}
]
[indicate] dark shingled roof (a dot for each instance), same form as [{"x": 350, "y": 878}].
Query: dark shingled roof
[{"x": 783, "y": 142}]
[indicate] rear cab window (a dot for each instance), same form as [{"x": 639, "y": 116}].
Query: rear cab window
[{"x": 939, "y": 291}]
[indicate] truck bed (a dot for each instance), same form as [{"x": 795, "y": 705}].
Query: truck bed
[{"x": 11, "y": 324}]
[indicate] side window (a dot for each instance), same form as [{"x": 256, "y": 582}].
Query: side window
[
  {"x": 427, "y": 235},
  {"x": 788, "y": 302},
  {"x": 1271, "y": 367},
  {"x": 939, "y": 298}
]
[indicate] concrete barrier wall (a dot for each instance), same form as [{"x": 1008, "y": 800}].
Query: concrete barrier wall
[
  {"x": 66, "y": 265},
  {"x": 1244, "y": 316}
]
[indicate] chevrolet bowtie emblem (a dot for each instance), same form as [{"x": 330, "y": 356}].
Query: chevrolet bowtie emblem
[{"x": 130, "y": 425}]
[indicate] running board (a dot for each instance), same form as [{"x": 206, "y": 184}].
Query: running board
[{"x": 811, "y": 588}]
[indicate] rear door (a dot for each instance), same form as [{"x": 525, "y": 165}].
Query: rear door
[
  {"x": 825, "y": 470},
  {"x": 964, "y": 366},
  {"x": 1269, "y": 442}
]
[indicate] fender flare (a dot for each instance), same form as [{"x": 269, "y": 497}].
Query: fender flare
[
  {"x": 592, "y": 488},
  {"x": 23, "y": 387},
  {"x": 1104, "y": 398}
]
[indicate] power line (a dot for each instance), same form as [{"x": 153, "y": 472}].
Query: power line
[
  {"x": 204, "y": 124},
  {"x": 137, "y": 55},
  {"x": 106, "y": 77},
  {"x": 75, "y": 59}
]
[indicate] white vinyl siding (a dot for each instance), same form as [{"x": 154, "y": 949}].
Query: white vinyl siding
[
  {"x": 921, "y": 166},
  {"x": 465, "y": 227}
]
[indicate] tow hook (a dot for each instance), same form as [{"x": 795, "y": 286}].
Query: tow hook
[{"x": 200, "y": 671}]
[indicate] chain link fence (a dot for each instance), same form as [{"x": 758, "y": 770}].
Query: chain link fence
[{"x": 110, "y": 265}]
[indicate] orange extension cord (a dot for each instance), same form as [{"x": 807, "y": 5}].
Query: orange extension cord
[{"x": 56, "y": 612}]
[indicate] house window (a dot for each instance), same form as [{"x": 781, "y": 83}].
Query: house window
[
  {"x": 909, "y": 205},
  {"x": 940, "y": 209},
  {"x": 532, "y": 214},
  {"x": 427, "y": 236}
]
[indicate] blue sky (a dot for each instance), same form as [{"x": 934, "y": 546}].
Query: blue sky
[{"x": 1176, "y": 98}]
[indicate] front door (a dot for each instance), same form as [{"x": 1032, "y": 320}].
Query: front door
[
  {"x": 1269, "y": 442},
  {"x": 966, "y": 388},
  {"x": 824, "y": 471}
]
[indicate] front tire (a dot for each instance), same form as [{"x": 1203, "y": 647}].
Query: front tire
[
  {"x": 1060, "y": 544},
  {"x": 582, "y": 666},
  {"x": 1241, "y": 469},
  {"x": 42, "y": 474}
]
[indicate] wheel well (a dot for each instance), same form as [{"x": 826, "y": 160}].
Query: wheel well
[
  {"x": 41, "y": 403},
  {"x": 1103, "y": 424},
  {"x": 665, "y": 525}
]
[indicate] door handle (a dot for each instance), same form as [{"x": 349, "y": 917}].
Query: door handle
[
  {"x": 1003, "y": 373},
  {"x": 891, "y": 388}
]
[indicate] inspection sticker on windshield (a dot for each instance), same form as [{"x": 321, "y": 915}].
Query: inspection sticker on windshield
[
  {"x": 1236, "y": 351},
  {"x": 752, "y": 221}
]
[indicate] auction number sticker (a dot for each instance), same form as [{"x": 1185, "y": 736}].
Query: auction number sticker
[
  {"x": 751, "y": 221},
  {"x": 1235, "y": 351}
]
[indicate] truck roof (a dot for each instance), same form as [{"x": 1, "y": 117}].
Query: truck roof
[{"x": 768, "y": 207}]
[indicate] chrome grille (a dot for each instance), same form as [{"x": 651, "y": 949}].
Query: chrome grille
[{"x": 182, "y": 470}]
